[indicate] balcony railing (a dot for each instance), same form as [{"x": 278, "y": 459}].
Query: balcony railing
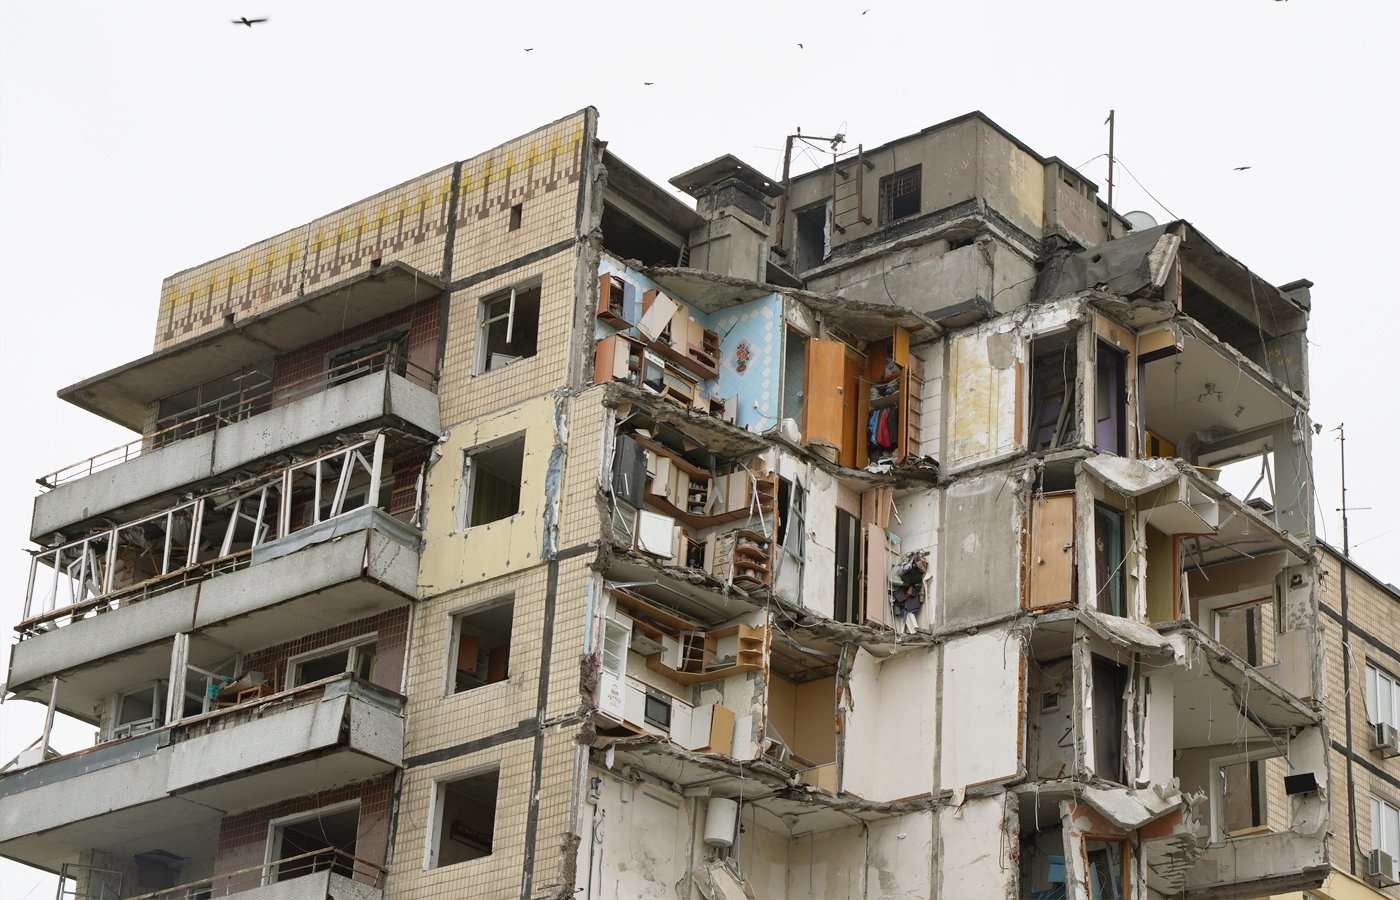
[
  {"x": 209, "y": 535},
  {"x": 238, "y": 406},
  {"x": 103, "y": 884}
]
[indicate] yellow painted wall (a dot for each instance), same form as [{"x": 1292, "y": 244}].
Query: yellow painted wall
[{"x": 453, "y": 558}]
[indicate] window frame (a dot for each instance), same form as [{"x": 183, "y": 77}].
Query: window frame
[
  {"x": 482, "y": 363},
  {"x": 462, "y": 616},
  {"x": 1115, "y": 575},
  {"x": 887, "y": 197},
  {"x": 466, "y": 487},
  {"x": 432, "y": 852},
  {"x": 270, "y": 874},
  {"x": 351, "y": 659},
  {"x": 1374, "y": 674},
  {"x": 1379, "y": 805}
]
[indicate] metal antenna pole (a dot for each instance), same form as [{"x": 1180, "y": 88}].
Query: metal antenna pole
[
  {"x": 1346, "y": 538},
  {"x": 1110, "y": 174}
]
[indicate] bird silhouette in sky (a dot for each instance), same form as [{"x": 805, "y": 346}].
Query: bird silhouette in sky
[
  {"x": 648, "y": 83},
  {"x": 864, "y": 11},
  {"x": 1242, "y": 168},
  {"x": 801, "y": 46},
  {"x": 528, "y": 49},
  {"x": 247, "y": 21}
]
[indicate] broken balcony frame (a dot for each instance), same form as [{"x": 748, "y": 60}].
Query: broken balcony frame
[{"x": 87, "y": 574}]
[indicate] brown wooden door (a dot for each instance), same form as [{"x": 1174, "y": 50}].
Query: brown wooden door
[
  {"x": 825, "y": 389},
  {"x": 1052, "y": 550}
]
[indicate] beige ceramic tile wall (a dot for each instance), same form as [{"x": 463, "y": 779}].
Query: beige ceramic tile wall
[
  {"x": 408, "y": 223},
  {"x": 494, "y": 876},
  {"x": 541, "y": 173},
  {"x": 438, "y": 719},
  {"x": 1373, "y": 611},
  {"x": 465, "y": 395},
  {"x": 590, "y": 425}
]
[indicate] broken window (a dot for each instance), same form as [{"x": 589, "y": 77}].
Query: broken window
[
  {"x": 1054, "y": 392},
  {"x": 813, "y": 236},
  {"x": 1109, "y": 559},
  {"x": 516, "y": 216},
  {"x": 1385, "y": 827},
  {"x": 490, "y": 487},
  {"x": 899, "y": 194},
  {"x": 356, "y": 658},
  {"x": 1110, "y": 400},
  {"x": 1382, "y": 697},
  {"x": 465, "y": 820},
  {"x": 481, "y": 645},
  {"x": 1110, "y": 683},
  {"x": 792, "y": 516},
  {"x": 846, "y": 605},
  {"x": 140, "y": 710},
  {"x": 1106, "y": 867},
  {"x": 314, "y": 843},
  {"x": 510, "y": 324}
]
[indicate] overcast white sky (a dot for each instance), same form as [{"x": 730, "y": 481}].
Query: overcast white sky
[{"x": 138, "y": 139}]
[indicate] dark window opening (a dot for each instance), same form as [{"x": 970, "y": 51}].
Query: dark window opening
[
  {"x": 1109, "y": 685},
  {"x": 899, "y": 194},
  {"x": 811, "y": 237},
  {"x": 482, "y": 646},
  {"x": 1110, "y": 401},
  {"x": 846, "y": 607},
  {"x": 491, "y": 483},
  {"x": 466, "y": 825},
  {"x": 625, "y": 238},
  {"x": 357, "y": 659},
  {"x": 510, "y": 323},
  {"x": 1109, "y": 559},
  {"x": 1054, "y": 392},
  {"x": 316, "y": 844},
  {"x": 516, "y": 213}
]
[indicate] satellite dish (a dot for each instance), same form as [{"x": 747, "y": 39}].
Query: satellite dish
[{"x": 1138, "y": 220}]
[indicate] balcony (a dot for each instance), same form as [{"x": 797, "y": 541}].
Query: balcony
[
  {"x": 295, "y": 552},
  {"x": 170, "y": 788},
  {"x": 213, "y": 438}
]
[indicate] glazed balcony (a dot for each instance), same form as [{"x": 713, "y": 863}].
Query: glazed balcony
[
  {"x": 171, "y": 787},
  {"x": 198, "y": 444}
]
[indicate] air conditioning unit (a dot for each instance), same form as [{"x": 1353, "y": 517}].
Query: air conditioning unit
[
  {"x": 1380, "y": 869},
  {"x": 1386, "y": 739}
]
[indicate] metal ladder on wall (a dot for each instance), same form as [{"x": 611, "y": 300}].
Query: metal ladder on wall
[{"x": 848, "y": 188}]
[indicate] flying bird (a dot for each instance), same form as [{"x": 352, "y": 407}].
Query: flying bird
[
  {"x": 247, "y": 21},
  {"x": 528, "y": 49},
  {"x": 1242, "y": 168},
  {"x": 648, "y": 83},
  {"x": 864, "y": 11},
  {"x": 801, "y": 46}
]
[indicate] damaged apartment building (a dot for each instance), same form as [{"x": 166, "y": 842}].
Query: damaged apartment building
[{"x": 527, "y": 531}]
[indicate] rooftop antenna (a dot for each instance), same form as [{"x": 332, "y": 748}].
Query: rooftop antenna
[
  {"x": 1344, "y": 509},
  {"x": 835, "y": 140},
  {"x": 1109, "y": 122}
]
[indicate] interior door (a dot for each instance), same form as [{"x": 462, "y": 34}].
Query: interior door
[{"x": 825, "y": 392}]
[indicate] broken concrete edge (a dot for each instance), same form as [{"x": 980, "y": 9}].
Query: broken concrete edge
[
  {"x": 679, "y": 279},
  {"x": 1216, "y": 654}
]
